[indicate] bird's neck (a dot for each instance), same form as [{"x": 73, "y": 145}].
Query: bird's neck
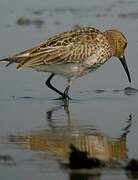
[{"x": 111, "y": 41}]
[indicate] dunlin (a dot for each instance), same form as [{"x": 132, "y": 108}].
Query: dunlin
[{"x": 73, "y": 54}]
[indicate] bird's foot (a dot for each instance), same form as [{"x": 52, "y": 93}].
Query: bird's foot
[{"x": 64, "y": 98}]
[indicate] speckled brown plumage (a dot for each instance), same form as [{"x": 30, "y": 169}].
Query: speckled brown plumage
[
  {"x": 73, "y": 53},
  {"x": 68, "y": 47}
]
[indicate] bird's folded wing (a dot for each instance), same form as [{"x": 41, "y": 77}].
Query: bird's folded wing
[
  {"x": 73, "y": 48},
  {"x": 72, "y": 53}
]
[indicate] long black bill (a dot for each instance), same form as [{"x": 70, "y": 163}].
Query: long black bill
[{"x": 123, "y": 61}]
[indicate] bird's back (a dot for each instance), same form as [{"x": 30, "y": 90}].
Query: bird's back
[{"x": 73, "y": 46}]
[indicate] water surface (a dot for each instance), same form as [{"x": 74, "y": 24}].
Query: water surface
[{"x": 36, "y": 130}]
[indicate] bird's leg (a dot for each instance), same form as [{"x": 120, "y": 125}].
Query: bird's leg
[
  {"x": 67, "y": 89},
  {"x": 48, "y": 83},
  {"x": 66, "y": 92}
]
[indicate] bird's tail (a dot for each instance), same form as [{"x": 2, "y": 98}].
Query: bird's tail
[{"x": 8, "y": 61}]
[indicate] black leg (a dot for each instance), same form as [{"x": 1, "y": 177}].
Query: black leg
[{"x": 64, "y": 95}]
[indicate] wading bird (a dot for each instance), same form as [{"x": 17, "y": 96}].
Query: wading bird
[{"x": 73, "y": 54}]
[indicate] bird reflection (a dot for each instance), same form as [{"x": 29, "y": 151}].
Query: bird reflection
[
  {"x": 50, "y": 113},
  {"x": 126, "y": 129},
  {"x": 94, "y": 142},
  {"x": 56, "y": 139}
]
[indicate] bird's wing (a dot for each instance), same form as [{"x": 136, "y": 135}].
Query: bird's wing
[{"x": 67, "y": 47}]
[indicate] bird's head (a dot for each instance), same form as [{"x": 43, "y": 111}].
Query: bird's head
[{"x": 118, "y": 43}]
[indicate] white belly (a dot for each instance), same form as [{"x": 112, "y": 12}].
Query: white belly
[
  {"x": 70, "y": 70},
  {"x": 67, "y": 70}
]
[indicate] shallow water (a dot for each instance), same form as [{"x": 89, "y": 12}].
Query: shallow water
[{"x": 35, "y": 129}]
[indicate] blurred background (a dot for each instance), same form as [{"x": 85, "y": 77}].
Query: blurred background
[{"x": 104, "y": 106}]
